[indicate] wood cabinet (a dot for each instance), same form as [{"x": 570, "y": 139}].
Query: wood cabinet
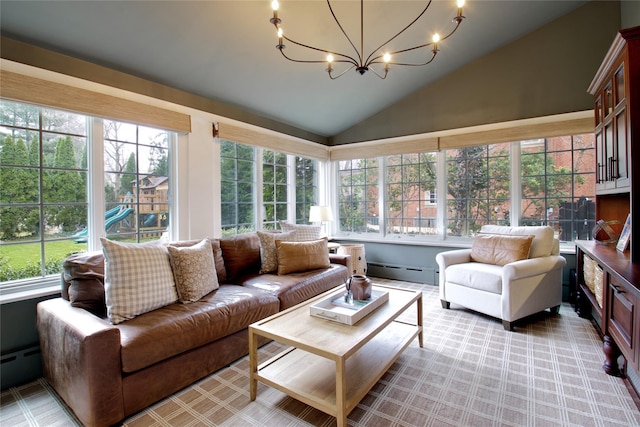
[
  {"x": 616, "y": 91},
  {"x": 608, "y": 281},
  {"x": 614, "y": 305}
]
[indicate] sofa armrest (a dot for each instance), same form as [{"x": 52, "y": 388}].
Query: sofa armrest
[
  {"x": 531, "y": 267},
  {"x": 340, "y": 259},
  {"x": 81, "y": 360}
]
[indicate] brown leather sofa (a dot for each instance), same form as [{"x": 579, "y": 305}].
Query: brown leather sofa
[{"x": 106, "y": 372}]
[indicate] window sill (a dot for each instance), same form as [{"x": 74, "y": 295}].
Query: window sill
[
  {"x": 568, "y": 248},
  {"x": 30, "y": 289}
]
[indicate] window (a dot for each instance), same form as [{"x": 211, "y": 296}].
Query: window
[
  {"x": 306, "y": 187},
  {"x": 358, "y": 196},
  {"x": 279, "y": 185},
  {"x": 410, "y": 179},
  {"x": 43, "y": 195},
  {"x": 137, "y": 184},
  {"x": 237, "y": 170},
  {"x": 478, "y": 188},
  {"x": 274, "y": 188},
  {"x": 558, "y": 185},
  {"x": 555, "y": 178},
  {"x": 46, "y": 159}
]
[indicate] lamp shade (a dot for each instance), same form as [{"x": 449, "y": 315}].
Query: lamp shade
[{"x": 320, "y": 214}]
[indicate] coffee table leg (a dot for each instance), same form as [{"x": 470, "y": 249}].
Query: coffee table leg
[
  {"x": 419, "y": 302},
  {"x": 341, "y": 394},
  {"x": 253, "y": 364}
]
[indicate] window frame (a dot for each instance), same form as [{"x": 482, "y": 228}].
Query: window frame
[{"x": 48, "y": 284}]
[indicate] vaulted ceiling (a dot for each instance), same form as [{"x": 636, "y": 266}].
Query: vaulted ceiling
[{"x": 225, "y": 50}]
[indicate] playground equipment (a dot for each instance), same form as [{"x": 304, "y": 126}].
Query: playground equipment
[{"x": 112, "y": 217}]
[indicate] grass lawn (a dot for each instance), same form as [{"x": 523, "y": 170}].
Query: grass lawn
[{"x": 21, "y": 255}]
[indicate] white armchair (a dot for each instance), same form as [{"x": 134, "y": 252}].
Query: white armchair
[{"x": 497, "y": 285}]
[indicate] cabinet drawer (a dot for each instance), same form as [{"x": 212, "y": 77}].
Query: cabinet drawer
[{"x": 622, "y": 313}]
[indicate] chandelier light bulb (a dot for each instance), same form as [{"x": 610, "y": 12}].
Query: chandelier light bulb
[
  {"x": 329, "y": 58},
  {"x": 386, "y": 57},
  {"x": 436, "y": 38},
  {"x": 275, "y": 5},
  {"x": 460, "y": 3},
  {"x": 279, "y": 32}
]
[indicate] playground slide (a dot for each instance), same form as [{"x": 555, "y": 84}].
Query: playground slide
[
  {"x": 112, "y": 216},
  {"x": 109, "y": 214},
  {"x": 117, "y": 218}
]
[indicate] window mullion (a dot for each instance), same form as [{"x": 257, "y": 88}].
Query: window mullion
[
  {"x": 441, "y": 194},
  {"x": 291, "y": 189},
  {"x": 383, "y": 199},
  {"x": 516, "y": 184},
  {"x": 259, "y": 202},
  {"x": 95, "y": 183}
]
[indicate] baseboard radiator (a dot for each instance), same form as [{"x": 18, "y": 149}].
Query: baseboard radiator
[
  {"x": 20, "y": 366},
  {"x": 410, "y": 273}
]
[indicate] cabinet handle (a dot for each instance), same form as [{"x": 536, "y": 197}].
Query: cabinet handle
[
  {"x": 617, "y": 289},
  {"x": 613, "y": 169}
]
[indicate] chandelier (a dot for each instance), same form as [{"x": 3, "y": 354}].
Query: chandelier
[{"x": 377, "y": 56}]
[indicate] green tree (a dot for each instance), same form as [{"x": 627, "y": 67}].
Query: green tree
[
  {"x": 129, "y": 175},
  {"x": 65, "y": 188}
]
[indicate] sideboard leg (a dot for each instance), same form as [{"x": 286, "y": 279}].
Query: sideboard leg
[{"x": 611, "y": 355}]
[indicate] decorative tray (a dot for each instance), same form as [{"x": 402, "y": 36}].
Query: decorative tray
[{"x": 335, "y": 307}]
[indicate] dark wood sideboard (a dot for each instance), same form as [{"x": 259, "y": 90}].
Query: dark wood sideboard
[{"x": 608, "y": 280}]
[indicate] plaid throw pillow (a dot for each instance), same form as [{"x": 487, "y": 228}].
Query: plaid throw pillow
[
  {"x": 138, "y": 279},
  {"x": 303, "y": 232}
]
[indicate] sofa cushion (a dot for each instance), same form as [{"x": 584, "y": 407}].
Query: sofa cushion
[
  {"x": 194, "y": 270},
  {"x": 176, "y": 328},
  {"x": 217, "y": 255},
  {"x": 304, "y": 232},
  {"x": 83, "y": 281},
  {"x": 543, "y": 242},
  {"x": 241, "y": 255},
  {"x": 268, "y": 253},
  {"x": 138, "y": 279},
  {"x": 292, "y": 289},
  {"x": 302, "y": 256},
  {"x": 484, "y": 277},
  {"x": 500, "y": 249}
]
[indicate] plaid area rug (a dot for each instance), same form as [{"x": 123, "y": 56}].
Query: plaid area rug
[{"x": 471, "y": 372}]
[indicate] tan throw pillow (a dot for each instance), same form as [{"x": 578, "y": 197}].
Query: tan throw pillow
[
  {"x": 137, "y": 279},
  {"x": 193, "y": 270},
  {"x": 302, "y": 256},
  {"x": 304, "y": 232},
  {"x": 500, "y": 249},
  {"x": 268, "y": 254}
]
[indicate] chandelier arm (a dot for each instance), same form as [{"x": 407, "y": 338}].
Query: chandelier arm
[
  {"x": 342, "y": 73},
  {"x": 418, "y": 47},
  {"x": 347, "y": 57},
  {"x": 308, "y": 61},
  {"x": 335, "y": 18},
  {"x": 386, "y": 71},
  {"x": 369, "y": 61}
]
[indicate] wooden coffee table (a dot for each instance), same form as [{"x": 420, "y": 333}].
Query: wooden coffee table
[{"x": 332, "y": 366}]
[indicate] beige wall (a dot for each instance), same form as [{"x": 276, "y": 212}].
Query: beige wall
[{"x": 546, "y": 72}]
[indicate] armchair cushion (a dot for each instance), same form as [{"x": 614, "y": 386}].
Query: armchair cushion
[
  {"x": 500, "y": 249},
  {"x": 484, "y": 277}
]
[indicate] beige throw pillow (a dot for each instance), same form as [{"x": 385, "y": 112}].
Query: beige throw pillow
[
  {"x": 500, "y": 249},
  {"x": 194, "y": 270},
  {"x": 302, "y": 256},
  {"x": 268, "y": 253},
  {"x": 137, "y": 279}
]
